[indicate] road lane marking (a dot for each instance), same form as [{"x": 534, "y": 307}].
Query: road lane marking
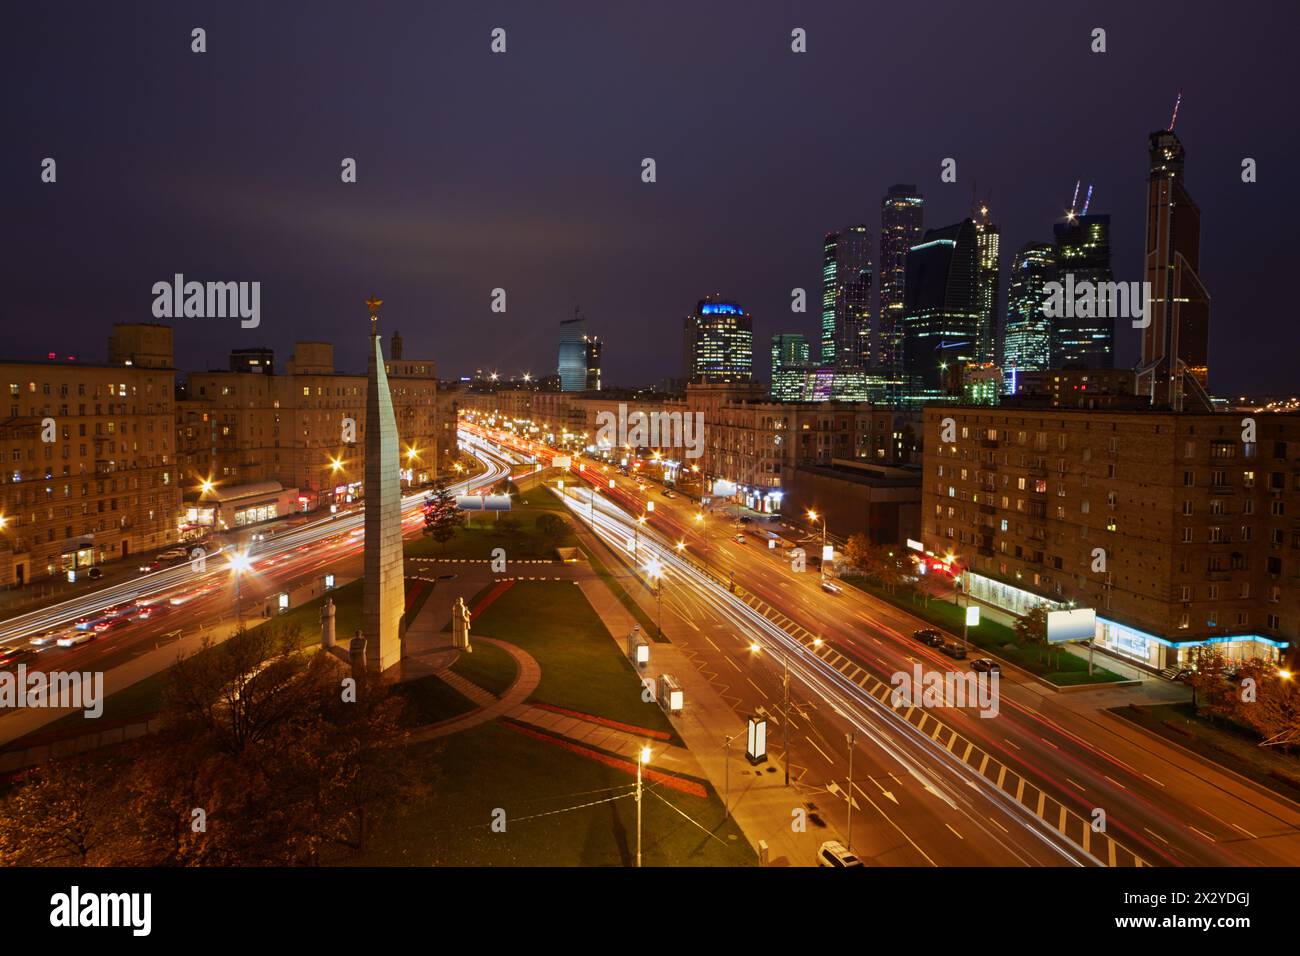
[
  {"x": 955, "y": 833},
  {"x": 1202, "y": 833},
  {"x": 756, "y": 687},
  {"x": 1077, "y": 784},
  {"x": 1156, "y": 835},
  {"x": 819, "y": 749},
  {"x": 1152, "y": 779},
  {"x": 1247, "y": 832}
]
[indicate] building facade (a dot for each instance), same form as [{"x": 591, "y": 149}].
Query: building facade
[
  {"x": 718, "y": 342},
  {"x": 943, "y": 311},
  {"x": 90, "y": 471},
  {"x": 1027, "y": 336},
  {"x": 1082, "y": 253},
  {"x": 847, "y": 279},
  {"x": 1175, "y": 369},
  {"x": 1176, "y": 531},
  {"x": 902, "y": 220},
  {"x": 293, "y": 428}
]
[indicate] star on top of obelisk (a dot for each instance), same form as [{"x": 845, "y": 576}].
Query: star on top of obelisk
[{"x": 373, "y": 305}]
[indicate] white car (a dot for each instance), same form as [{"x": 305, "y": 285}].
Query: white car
[
  {"x": 48, "y": 638},
  {"x": 836, "y": 854},
  {"x": 75, "y": 638}
]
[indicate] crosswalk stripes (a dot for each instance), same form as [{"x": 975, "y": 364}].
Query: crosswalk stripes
[{"x": 1046, "y": 808}]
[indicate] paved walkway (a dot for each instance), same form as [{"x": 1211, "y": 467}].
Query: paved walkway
[
  {"x": 760, "y": 803},
  {"x": 490, "y": 706}
]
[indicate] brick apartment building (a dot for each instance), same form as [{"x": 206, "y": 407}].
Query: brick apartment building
[
  {"x": 249, "y": 425},
  {"x": 1200, "y": 530},
  {"x": 106, "y": 485}
]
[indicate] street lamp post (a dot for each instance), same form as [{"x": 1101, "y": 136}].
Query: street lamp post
[
  {"x": 850, "y": 736},
  {"x": 636, "y": 538},
  {"x": 814, "y": 518},
  {"x": 726, "y": 787},
  {"x": 642, "y": 759}
]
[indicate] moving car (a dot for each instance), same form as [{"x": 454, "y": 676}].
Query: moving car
[
  {"x": 13, "y": 653},
  {"x": 836, "y": 854},
  {"x": 985, "y": 664},
  {"x": 953, "y": 650},
  {"x": 48, "y": 638},
  {"x": 929, "y": 636},
  {"x": 75, "y": 638},
  {"x": 830, "y": 587},
  {"x": 740, "y": 539}
]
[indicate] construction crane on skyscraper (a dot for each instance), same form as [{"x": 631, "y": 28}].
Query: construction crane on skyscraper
[{"x": 1177, "y": 103}]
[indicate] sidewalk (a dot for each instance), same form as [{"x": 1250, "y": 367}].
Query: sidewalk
[{"x": 759, "y": 801}]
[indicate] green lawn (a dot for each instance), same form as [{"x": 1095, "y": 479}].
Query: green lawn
[
  {"x": 582, "y": 668},
  {"x": 484, "y": 533},
  {"x": 1060, "y": 667},
  {"x": 429, "y": 701},
  {"x": 488, "y": 666},
  {"x": 1223, "y": 743},
  {"x": 474, "y": 773}
]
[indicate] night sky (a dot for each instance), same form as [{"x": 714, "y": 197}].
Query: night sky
[{"x": 522, "y": 170}]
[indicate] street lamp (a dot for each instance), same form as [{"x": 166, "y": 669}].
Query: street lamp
[
  {"x": 814, "y": 518},
  {"x": 636, "y": 537},
  {"x": 239, "y": 566},
  {"x": 850, "y": 737},
  {"x": 704, "y": 525},
  {"x": 643, "y": 758}
]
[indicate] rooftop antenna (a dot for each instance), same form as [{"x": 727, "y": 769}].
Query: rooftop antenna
[
  {"x": 1177, "y": 103},
  {"x": 1087, "y": 200}
]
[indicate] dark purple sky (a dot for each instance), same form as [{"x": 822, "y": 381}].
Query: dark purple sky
[{"x": 522, "y": 170}]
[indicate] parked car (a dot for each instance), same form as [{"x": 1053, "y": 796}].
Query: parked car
[
  {"x": 94, "y": 574},
  {"x": 745, "y": 519},
  {"x": 985, "y": 665},
  {"x": 954, "y": 650},
  {"x": 928, "y": 636},
  {"x": 157, "y": 564},
  {"x": 836, "y": 854}
]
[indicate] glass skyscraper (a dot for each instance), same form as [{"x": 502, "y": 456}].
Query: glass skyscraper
[
  {"x": 847, "y": 278},
  {"x": 573, "y": 354},
  {"x": 988, "y": 240},
  {"x": 1175, "y": 366},
  {"x": 791, "y": 363},
  {"x": 942, "y": 311},
  {"x": 1027, "y": 339},
  {"x": 718, "y": 342},
  {"x": 902, "y": 217},
  {"x": 1083, "y": 252}
]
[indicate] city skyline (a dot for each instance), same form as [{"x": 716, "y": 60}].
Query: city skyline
[{"x": 438, "y": 223}]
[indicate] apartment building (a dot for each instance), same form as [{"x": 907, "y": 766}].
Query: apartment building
[
  {"x": 90, "y": 470},
  {"x": 1180, "y": 529}
]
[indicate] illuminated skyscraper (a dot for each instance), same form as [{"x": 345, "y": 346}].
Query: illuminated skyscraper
[
  {"x": 902, "y": 216},
  {"x": 1027, "y": 340},
  {"x": 573, "y": 354},
  {"x": 718, "y": 342},
  {"x": 791, "y": 363},
  {"x": 1083, "y": 252},
  {"x": 1175, "y": 365},
  {"x": 846, "y": 297},
  {"x": 942, "y": 311},
  {"x": 988, "y": 240},
  {"x": 592, "y": 353}
]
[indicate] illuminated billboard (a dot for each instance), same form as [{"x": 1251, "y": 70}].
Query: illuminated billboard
[{"x": 1079, "y": 624}]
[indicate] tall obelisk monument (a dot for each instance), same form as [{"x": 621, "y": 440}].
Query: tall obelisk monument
[{"x": 384, "y": 599}]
